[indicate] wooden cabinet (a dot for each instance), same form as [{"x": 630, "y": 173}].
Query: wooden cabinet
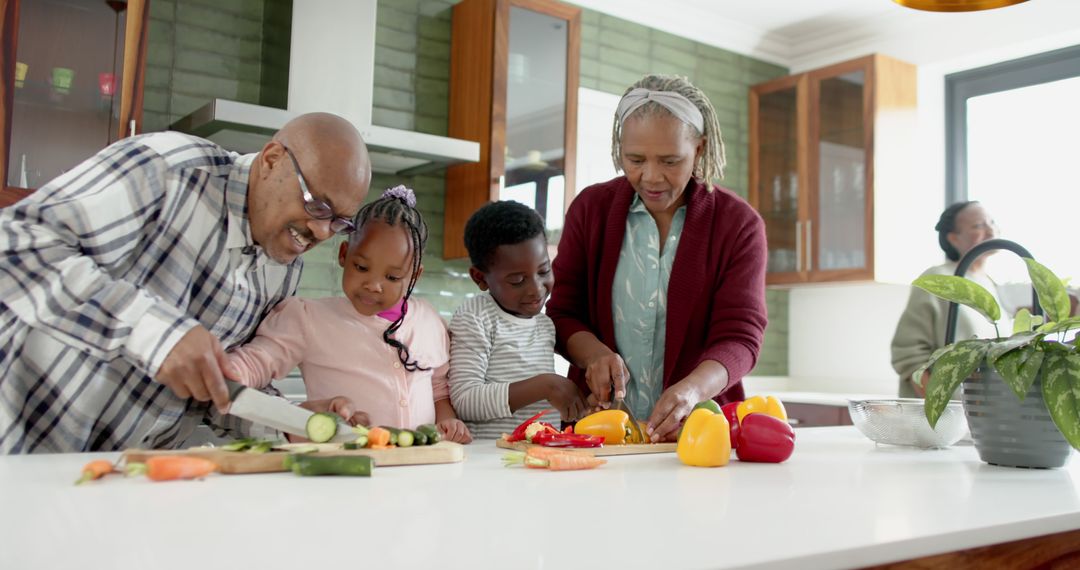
[
  {"x": 817, "y": 415},
  {"x": 513, "y": 88},
  {"x": 71, "y": 84},
  {"x": 823, "y": 144}
]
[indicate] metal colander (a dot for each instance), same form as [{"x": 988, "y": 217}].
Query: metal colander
[{"x": 902, "y": 421}]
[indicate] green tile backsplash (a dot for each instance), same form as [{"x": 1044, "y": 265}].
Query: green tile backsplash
[{"x": 238, "y": 53}]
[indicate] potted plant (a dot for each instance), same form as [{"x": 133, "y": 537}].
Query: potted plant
[{"x": 1034, "y": 421}]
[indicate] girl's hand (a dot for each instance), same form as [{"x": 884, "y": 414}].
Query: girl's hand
[
  {"x": 341, "y": 406},
  {"x": 454, "y": 430},
  {"x": 671, "y": 409},
  {"x": 604, "y": 371}
]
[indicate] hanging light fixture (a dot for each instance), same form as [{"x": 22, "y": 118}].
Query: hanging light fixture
[{"x": 956, "y": 5}]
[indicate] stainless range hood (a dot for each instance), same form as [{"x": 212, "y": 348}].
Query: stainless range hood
[{"x": 331, "y": 69}]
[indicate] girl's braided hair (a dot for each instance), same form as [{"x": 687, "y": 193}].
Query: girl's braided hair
[
  {"x": 397, "y": 206},
  {"x": 710, "y": 165}
]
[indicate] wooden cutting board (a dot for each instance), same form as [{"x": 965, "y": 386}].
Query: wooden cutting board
[
  {"x": 235, "y": 462},
  {"x": 603, "y": 451}
]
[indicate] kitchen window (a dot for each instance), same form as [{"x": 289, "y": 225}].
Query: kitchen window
[{"x": 1011, "y": 143}]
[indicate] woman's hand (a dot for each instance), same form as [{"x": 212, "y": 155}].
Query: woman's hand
[
  {"x": 603, "y": 372},
  {"x": 454, "y": 429},
  {"x": 671, "y": 409},
  {"x": 707, "y": 380}
]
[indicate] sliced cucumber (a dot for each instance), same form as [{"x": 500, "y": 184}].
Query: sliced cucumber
[
  {"x": 394, "y": 433},
  {"x": 405, "y": 438},
  {"x": 420, "y": 437},
  {"x": 321, "y": 427}
]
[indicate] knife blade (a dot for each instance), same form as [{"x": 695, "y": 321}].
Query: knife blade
[
  {"x": 620, "y": 404},
  {"x": 278, "y": 413}
]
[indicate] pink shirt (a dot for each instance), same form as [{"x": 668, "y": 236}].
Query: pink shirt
[{"x": 341, "y": 353}]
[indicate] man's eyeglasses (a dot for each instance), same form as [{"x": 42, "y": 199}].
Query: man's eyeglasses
[{"x": 319, "y": 209}]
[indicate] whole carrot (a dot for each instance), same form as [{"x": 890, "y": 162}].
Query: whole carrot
[
  {"x": 172, "y": 467},
  {"x": 540, "y": 452},
  {"x": 569, "y": 462},
  {"x": 95, "y": 470},
  {"x": 553, "y": 459}
]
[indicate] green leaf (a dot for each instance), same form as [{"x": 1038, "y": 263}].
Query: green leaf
[
  {"x": 1070, "y": 323},
  {"x": 1052, "y": 295},
  {"x": 1019, "y": 368},
  {"x": 917, "y": 375},
  {"x": 1061, "y": 391},
  {"x": 963, "y": 291},
  {"x": 949, "y": 371},
  {"x": 999, "y": 347},
  {"x": 1024, "y": 321}
]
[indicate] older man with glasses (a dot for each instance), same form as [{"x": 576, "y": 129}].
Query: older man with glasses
[{"x": 123, "y": 280}]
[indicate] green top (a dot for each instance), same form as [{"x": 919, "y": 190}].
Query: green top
[{"x": 639, "y": 303}]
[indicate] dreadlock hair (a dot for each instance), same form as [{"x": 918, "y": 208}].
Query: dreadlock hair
[
  {"x": 710, "y": 165},
  {"x": 947, "y": 224},
  {"x": 499, "y": 223},
  {"x": 397, "y": 207}
]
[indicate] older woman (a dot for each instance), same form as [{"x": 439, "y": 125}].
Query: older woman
[
  {"x": 921, "y": 329},
  {"x": 660, "y": 278}
]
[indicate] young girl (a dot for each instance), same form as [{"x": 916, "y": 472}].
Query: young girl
[{"x": 382, "y": 349}]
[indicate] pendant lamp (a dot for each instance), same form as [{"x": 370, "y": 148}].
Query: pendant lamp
[{"x": 956, "y": 5}]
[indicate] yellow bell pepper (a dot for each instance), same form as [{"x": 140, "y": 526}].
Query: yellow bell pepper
[
  {"x": 612, "y": 425},
  {"x": 704, "y": 441},
  {"x": 767, "y": 405}
]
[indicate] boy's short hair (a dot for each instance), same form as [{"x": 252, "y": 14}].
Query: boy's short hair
[{"x": 500, "y": 223}]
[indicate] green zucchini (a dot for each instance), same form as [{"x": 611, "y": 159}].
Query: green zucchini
[
  {"x": 351, "y": 465},
  {"x": 321, "y": 427},
  {"x": 420, "y": 437},
  {"x": 405, "y": 438},
  {"x": 431, "y": 432}
]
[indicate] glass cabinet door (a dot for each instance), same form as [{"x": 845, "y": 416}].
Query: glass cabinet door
[
  {"x": 778, "y": 178},
  {"x": 69, "y": 61},
  {"x": 840, "y": 158},
  {"x": 535, "y": 153}
]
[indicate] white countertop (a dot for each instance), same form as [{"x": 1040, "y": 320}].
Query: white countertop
[{"x": 840, "y": 501}]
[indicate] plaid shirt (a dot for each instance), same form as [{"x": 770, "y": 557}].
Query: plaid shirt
[{"x": 103, "y": 270}]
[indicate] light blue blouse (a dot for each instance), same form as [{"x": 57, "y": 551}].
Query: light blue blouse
[{"x": 639, "y": 303}]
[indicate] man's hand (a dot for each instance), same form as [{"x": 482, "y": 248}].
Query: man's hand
[
  {"x": 454, "y": 429},
  {"x": 196, "y": 368}
]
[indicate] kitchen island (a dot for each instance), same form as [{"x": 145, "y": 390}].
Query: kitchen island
[{"x": 840, "y": 501}]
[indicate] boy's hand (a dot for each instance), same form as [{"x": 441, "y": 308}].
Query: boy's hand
[
  {"x": 565, "y": 396},
  {"x": 455, "y": 430}
]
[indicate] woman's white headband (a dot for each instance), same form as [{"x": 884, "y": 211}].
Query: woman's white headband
[{"x": 679, "y": 106}]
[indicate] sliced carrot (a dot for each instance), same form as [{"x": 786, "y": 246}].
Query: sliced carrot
[
  {"x": 95, "y": 470},
  {"x": 378, "y": 436},
  {"x": 173, "y": 467},
  {"x": 387, "y": 446}
]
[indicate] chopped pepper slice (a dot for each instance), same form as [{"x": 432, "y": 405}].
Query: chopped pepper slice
[{"x": 519, "y": 432}]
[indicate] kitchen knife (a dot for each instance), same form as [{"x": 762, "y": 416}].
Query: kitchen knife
[
  {"x": 278, "y": 413},
  {"x": 620, "y": 404}
]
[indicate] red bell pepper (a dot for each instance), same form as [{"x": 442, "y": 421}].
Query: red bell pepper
[
  {"x": 765, "y": 439},
  {"x": 731, "y": 411},
  {"x": 519, "y": 432},
  {"x": 559, "y": 439}
]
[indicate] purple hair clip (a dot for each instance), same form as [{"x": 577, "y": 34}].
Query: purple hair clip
[{"x": 401, "y": 193}]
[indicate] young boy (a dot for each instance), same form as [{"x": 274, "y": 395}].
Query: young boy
[{"x": 502, "y": 368}]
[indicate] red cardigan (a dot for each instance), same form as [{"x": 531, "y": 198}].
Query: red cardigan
[{"x": 716, "y": 295}]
